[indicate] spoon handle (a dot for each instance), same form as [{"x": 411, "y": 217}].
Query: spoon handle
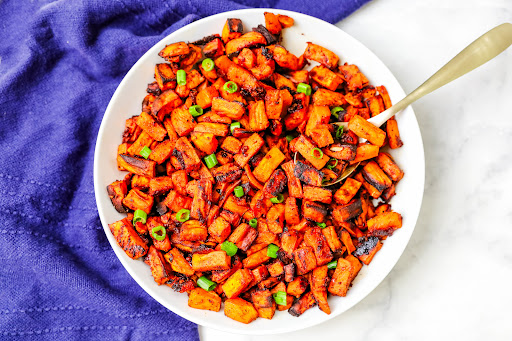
[{"x": 474, "y": 55}]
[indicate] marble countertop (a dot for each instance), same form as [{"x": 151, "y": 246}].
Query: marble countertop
[{"x": 454, "y": 279}]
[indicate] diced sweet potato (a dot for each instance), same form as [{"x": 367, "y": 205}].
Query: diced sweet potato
[
  {"x": 304, "y": 259},
  {"x": 206, "y": 300},
  {"x": 276, "y": 268},
  {"x": 291, "y": 211},
  {"x": 322, "y": 55},
  {"x": 304, "y": 303},
  {"x": 314, "y": 193},
  {"x": 219, "y": 230},
  {"x": 248, "y": 40},
  {"x": 138, "y": 165},
  {"x": 215, "y": 260},
  {"x": 140, "y": 182},
  {"x": 258, "y": 120},
  {"x": 160, "y": 269},
  {"x": 347, "y": 241},
  {"x": 314, "y": 211},
  {"x": 307, "y": 150},
  {"x": 319, "y": 280},
  {"x": 346, "y": 192},
  {"x": 226, "y": 173},
  {"x": 297, "y": 112},
  {"x": 366, "y": 130},
  {"x": 342, "y": 213},
  {"x": 275, "y": 184},
  {"x": 144, "y": 140},
  {"x": 232, "y": 29},
  {"x": 117, "y": 192},
  {"x": 355, "y": 79},
  {"x": 162, "y": 151},
  {"x": 341, "y": 278},
  {"x": 275, "y": 218},
  {"x": 186, "y": 155},
  {"x": 268, "y": 164},
  {"x": 316, "y": 241},
  {"x": 365, "y": 151},
  {"x": 284, "y": 58},
  {"x": 240, "y": 76},
  {"x": 285, "y": 20},
  {"x": 341, "y": 151},
  {"x": 128, "y": 239},
  {"x": 137, "y": 200},
  {"x": 165, "y": 77},
  {"x": 256, "y": 259},
  {"x": 260, "y": 274},
  {"x": 250, "y": 147},
  {"x": 205, "y": 97},
  {"x": 325, "y": 77},
  {"x": 281, "y": 82},
  {"x": 389, "y": 166},
  {"x": 384, "y": 224},
  {"x": 272, "y": 23},
  {"x": 165, "y": 103},
  {"x": 205, "y": 142},
  {"x": 193, "y": 230},
  {"x": 217, "y": 129},
  {"x": 240, "y": 310},
  {"x": 274, "y": 106},
  {"x": 332, "y": 239},
  {"x": 178, "y": 262},
  {"x": 328, "y": 98},
  {"x": 234, "y": 110},
  {"x": 318, "y": 116},
  {"x": 366, "y": 249},
  {"x": 264, "y": 303},
  {"x": 231, "y": 145},
  {"x": 372, "y": 173},
  {"x": 294, "y": 185},
  {"x": 237, "y": 283},
  {"x": 182, "y": 121},
  {"x": 175, "y": 201},
  {"x": 394, "y": 139},
  {"x": 151, "y": 126},
  {"x": 174, "y": 50}
]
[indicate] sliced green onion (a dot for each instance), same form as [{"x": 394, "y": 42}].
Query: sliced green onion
[
  {"x": 304, "y": 88},
  {"x": 158, "y": 233},
  {"x": 253, "y": 222},
  {"x": 289, "y": 138},
  {"x": 321, "y": 225},
  {"x": 332, "y": 265},
  {"x": 239, "y": 191},
  {"x": 318, "y": 151},
  {"x": 230, "y": 87},
  {"x": 208, "y": 64},
  {"x": 211, "y": 160},
  {"x": 335, "y": 111},
  {"x": 234, "y": 125},
  {"x": 181, "y": 77},
  {"x": 139, "y": 216},
  {"x": 183, "y": 215},
  {"x": 195, "y": 110},
  {"x": 332, "y": 166},
  {"x": 206, "y": 284},
  {"x": 277, "y": 199},
  {"x": 280, "y": 297},
  {"x": 272, "y": 250},
  {"x": 145, "y": 152},
  {"x": 339, "y": 132},
  {"x": 229, "y": 247}
]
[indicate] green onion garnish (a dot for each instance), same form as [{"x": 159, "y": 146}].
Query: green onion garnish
[
  {"x": 211, "y": 160},
  {"x": 304, "y": 88},
  {"x": 332, "y": 265},
  {"x": 239, "y": 191},
  {"x": 280, "y": 297},
  {"x": 206, "y": 284},
  {"x": 321, "y": 225},
  {"x": 230, "y": 87},
  {"x": 208, "y": 64},
  {"x": 183, "y": 215},
  {"x": 234, "y": 125},
  {"x": 195, "y": 110},
  {"x": 181, "y": 77},
  {"x": 144, "y": 152},
  {"x": 229, "y": 247},
  {"x": 253, "y": 222},
  {"x": 332, "y": 166},
  {"x": 272, "y": 250},
  {"x": 139, "y": 216},
  {"x": 158, "y": 233},
  {"x": 335, "y": 111},
  {"x": 279, "y": 198},
  {"x": 317, "y": 153},
  {"x": 339, "y": 132},
  {"x": 289, "y": 138}
]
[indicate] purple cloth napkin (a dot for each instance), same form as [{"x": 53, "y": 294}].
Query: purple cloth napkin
[{"x": 60, "y": 62}]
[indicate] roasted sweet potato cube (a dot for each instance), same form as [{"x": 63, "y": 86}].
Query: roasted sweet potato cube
[
  {"x": 305, "y": 260},
  {"x": 205, "y": 97},
  {"x": 140, "y": 182},
  {"x": 180, "y": 181},
  {"x": 346, "y": 192},
  {"x": 247, "y": 40},
  {"x": 342, "y": 213},
  {"x": 322, "y": 136},
  {"x": 232, "y": 29},
  {"x": 318, "y": 116},
  {"x": 160, "y": 185},
  {"x": 355, "y": 79},
  {"x": 319, "y": 280},
  {"x": 160, "y": 269},
  {"x": 213, "y": 48},
  {"x": 174, "y": 50},
  {"x": 268, "y": 164},
  {"x": 137, "y": 200},
  {"x": 226, "y": 173},
  {"x": 260, "y": 274},
  {"x": 272, "y": 23},
  {"x": 233, "y": 110},
  {"x": 322, "y": 55},
  {"x": 347, "y": 241},
  {"x": 394, "y": 139},
  {"x": 162, "y": 151},
  {"x": 297, "y": 287},
  {"x": 388, "y": 165},
  {"x": 304, "y": 303},
  {"x": 117, "y": 192},
  {"x": 165, "y": 77},
  {"x": 236, "y": 205},
  {"x": 231, "y": 217},
  {"x": 291, "y": 211},
  {"x": 175, "y": 201},
  {"x": 263, "y": 71},
  {"x": 276, "y": 268},
  {"x": 374, "y": 175},
  {"x": 285, "y": 20},
  {"x": 289, "y": 242},
  {"x": 268, "y": 283},
  {"x": 205, "y": 142},
  {"x": 314, "y": 193},
  {"x": 186, "y": 155},
  {"x": 384, "y": 224},
  {"x": 231, "y": 145},
  {"x": 284, "y": 58},
  {"x": 258, "y": 120},
  {"x": 215, "y": 260},
  {"x": 374, "y": 192},
  {"x": 122, "y": 149},
  {"x": 217, "y": 129},
  {"x": 150, "y": 125},
  {"x": 248, "y": 240},
  {"x": 264, "y": 303},
  {"x": 256, "y": 259},
  {"x": 250, "y": 147},
  {"x": 274, "y": 106},
  {"x": 356, "y": 266},
  {"x": 314, "y": 211},
  {"x": 375, "y": 105},
  {"x": 365, "y": 151},
  {"x": 341, "y": 278},
  {"x": 366, "y": 248},
  {"x": 240, "y": 310},
  {"x": 165, "y": 102},
  {"x": 193, "y": 230},
  {"x": 325, "y": 77},
  {"x": 294, "y": 185},
  {"x": 366, "y": 130},
  {"x": 237, "y": 283},
  {"x": 182, "y": 121},
  {"x": 341, "y": 151},
  {"x": 206, "y": 300},
  {"x": 316, "y": 240},
  {"x": 239, "y": 233},
  {"x": 240, "y": 76},
  {"x": 328, "y": 98},
  {"x": 128, "y": 239},
  {"x": 202, "y": 200},
  {"x": 178, "y": 262},
  {"x": 297, "y": 112},
  {"x": 332, "y": 239},
  {"x": 246, "y": 58},
  {"x": 307, "y": 149},
  {"x": 144, "y": 140},
  {"x": 219, "y": 230},
  {"x": 281, "y": 82},
  {"x": 275, "y": 184}
]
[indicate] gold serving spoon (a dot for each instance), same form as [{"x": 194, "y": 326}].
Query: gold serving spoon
[{"x": 474, "y": 55}]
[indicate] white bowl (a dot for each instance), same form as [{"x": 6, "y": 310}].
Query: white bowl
[{"x": 127, "y": 102}]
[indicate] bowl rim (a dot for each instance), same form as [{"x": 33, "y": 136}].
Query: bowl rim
[{"x": 99, "y": 191}]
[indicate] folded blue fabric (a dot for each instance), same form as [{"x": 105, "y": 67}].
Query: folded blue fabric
[{"x": 60, "y": 62}]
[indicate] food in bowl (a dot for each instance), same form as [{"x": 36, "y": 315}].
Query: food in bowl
[{"x": 226, "y": 164}]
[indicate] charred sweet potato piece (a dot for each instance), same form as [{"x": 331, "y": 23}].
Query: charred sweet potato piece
[
  {"x": 178, "y": 262},
  {"x": 269, "y": 163},
  {"x": 275, "y": 218},
  {"x": 375, "y": 105},
  {"x": 329, "y": 98},
  {"x": 284, "y": 58},
  {"x": 332, "y": 239},
  {"x": 263, "y": 71},
  {"x": 305, "y": 260},
  {"x": 160, "y": 185},
  {"x": 219, "y": 230},
  {"x": 345, "y": 152},
  {"x": 307, "y": 149},
  {"x": 140, "y": 182},
  {"x": 240, "y": 310},
  {"x": 240, "y": 76},
  {"x": 354, "y": 78},
  {"x": 366, "y": 248},
  {"x": 182, "y": 121},
  {"x": 314, "y": 211},
  {"x": 128, "y": 239},
  {"x": 175, "y": 201},
  {"x": 394, "y": 139},
  {"x": 314, "y": 193},
  {"x": 347, "y": 241},
  {"x": 212, "y": 117},
  {"x": 226, "y": 173},
  {"x": 322, "y": 55},
  {"x": 239, "y": 233},
  {"x": 374, "y": 192},
  {"x": 193, "y": 230},
  {"x": 316, "y": 240},
  {"x": 384, "y": 224},
  {"x": 165, "y": 77},
  {"x": 246, "y": 58},
  {"x": 341, "y": 278},
  {"x": 144, "y": 140},
  {"x": 206, "y": 300},
  {"x": 325, "y": 77},
  {"x": 160, "y": 269},
  {"x": 259, "y": 274},
  {"x": 322, "y": 136},
  {"x": 272, "y": 23},
  {"x": 205, "y": 97},
  {"x": 297, "y": 287},
  {"x": 372, "y": 173},
  {"x": 264, "y": 303},
  {"x": 213, "y": 49},
  {"x": 186, "y": 155},
  {"x": 234, "y": 110},
  {"x": 237, "y": 283},
  {"x": 318, "y": 116},
  {"x": 215, "y": 260},
  {"x": 165, "y": 102},
  {"x": 231, "y": 145},
  {"x": 275, "y": 184},
  {"x": 388, "y": 165},
  {"x": 202, "y": 200},
  {"x": 342, "y": 213},
  {"x": 294, "y": 185},
  {"x": 356, "y": 266},
  {"x": 291, "y": 211},
  {"x": 151, "y": 126},
  {"x": 274, "y": 105},
  {"x": 319, "y": 280},
  {"x": 232, "y": 29},
  {"x": 258, "y": 120},
  {"x": 162, "y": 151},
  {"x": 256, "y": 259},
  {"x": 170, "y": 51},
  {"x": 297, "y": 111},
  {"x": 205, "y": 142},
  {"x": 137, "y": 200},
  {"x": 281, "y": 82},
  {"x": 117, "y": 192},
  {"x": 346, "y": 192},
  {"x": 247, "y": 40},
  {"x": 276, "y": 268},
  {"x": 366, "y": 130},
  {"x": 304, "y": 303}
]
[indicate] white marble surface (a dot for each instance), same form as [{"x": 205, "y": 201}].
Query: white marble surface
[{"x": 454, "y": 280}]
